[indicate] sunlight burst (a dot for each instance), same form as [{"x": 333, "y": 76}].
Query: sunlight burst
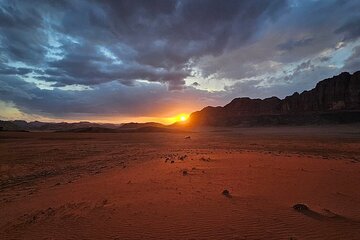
[{"x": 182, "y": 117}]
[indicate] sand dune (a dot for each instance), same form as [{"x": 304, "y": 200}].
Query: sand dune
[{"x": 133, "y": 186}]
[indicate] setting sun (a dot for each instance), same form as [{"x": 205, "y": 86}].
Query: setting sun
[{"x": 181, "y": 118}]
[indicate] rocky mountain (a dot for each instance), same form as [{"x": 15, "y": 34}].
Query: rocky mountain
[
  {"x": 18, "y": 125},
  {"x": 90, "y": 130},
  {"x": 134, "y": 125},
  {"x": 9, "y": 126},
  {"x": 333, "y": 100}
]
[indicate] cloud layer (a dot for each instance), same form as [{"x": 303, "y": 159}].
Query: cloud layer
[{"x": 93, "y": 58}]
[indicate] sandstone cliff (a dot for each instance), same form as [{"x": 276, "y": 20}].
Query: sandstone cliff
[{"x": 333, "y": 100}]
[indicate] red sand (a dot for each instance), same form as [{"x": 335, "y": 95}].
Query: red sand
[{"x": 124, "y": 186}]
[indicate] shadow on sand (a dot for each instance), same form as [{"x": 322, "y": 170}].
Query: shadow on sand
[{"x": 326, "y": 215}]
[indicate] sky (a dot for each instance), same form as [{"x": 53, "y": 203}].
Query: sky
[{"x": 153, "y": 60}]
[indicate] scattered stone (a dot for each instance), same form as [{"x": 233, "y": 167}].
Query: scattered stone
[
  {"x": 300, "y": 207},
  {"x": 185, "y": 173},
  {"x": 205, "y": 159},
  {"x": 187, "y": 137},
  {"x": 182, "y": 158},
  {"x": 172, "y": 161},
  {"x": 226, "y": 193}
]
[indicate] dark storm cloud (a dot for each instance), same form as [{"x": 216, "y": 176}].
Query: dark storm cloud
[
  {"x": 306, "y": 31},
  {"x": 298, "y": 71},
  {"x": 352, "y": 64},
  {"x": 301, "y": 80},
  {"x": 325, "y": 58},
  {"x": 351, "y": 29},
  {"x": 108, "y": 99},
  {"x": 22, "y": 34},
  {"x": 6, "y": 70},
  {"x": 303, "y": 65},
  {"x": 146, "y": 40},
  {"x": 291, "y": 44}
]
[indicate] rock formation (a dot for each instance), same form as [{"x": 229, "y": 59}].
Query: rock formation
[{"x": 333, "y": 100}]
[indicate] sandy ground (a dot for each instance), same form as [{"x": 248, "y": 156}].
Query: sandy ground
[{"x": 162, "y": 186}]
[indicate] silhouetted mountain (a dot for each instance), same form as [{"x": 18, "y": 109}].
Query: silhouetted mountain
[
  {"x": 134, "y": 125},
  {"x": 91, "y": 130},
  {"x": 9, "y": 126},
  {"x": 333, "y": 100},
  {"x": 147, "y": 129},
  {"x": 154, "y": 129},
  {"x": 83, "y": 127},
  {"x": 18, "y": 125}
]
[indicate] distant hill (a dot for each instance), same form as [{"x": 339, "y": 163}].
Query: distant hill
[
  {"x": 333, "y": 100},
  {"x": 134, "y": 125},
  {"x": 91, "y": 130},
  {"x": 18, "y": 125},
  {"x": 9, "y": 126},
  {"x": 125, "y": 130},
  {"x": 154, "y": 129},
  {"x": 80, "y": 127},
  {"x": 69, "y": 126}
]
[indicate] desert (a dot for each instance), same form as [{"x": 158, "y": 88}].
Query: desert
[
  {"x": 179, "y": 120},
  {"x": 170, "y": 185}
]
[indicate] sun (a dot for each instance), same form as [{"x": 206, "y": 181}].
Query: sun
[{"x": 182, "y": 117}]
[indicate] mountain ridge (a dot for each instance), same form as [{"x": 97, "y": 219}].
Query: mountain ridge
[{"x": 325, "y": 103}]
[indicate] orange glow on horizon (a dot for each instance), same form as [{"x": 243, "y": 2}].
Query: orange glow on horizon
[
  {"x": 167, "y": 120},
  {"x": 181, "y": 118},
  {"x": 166, "y": 117}
]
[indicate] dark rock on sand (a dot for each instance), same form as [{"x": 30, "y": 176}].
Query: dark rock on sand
[
  {"x": 226, "y": 193},
  {"x": 300, "y": 207}
]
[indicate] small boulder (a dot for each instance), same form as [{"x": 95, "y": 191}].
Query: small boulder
[
  {"x": 226, "y": 193},
  {"x": 300, "y": 207}
]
